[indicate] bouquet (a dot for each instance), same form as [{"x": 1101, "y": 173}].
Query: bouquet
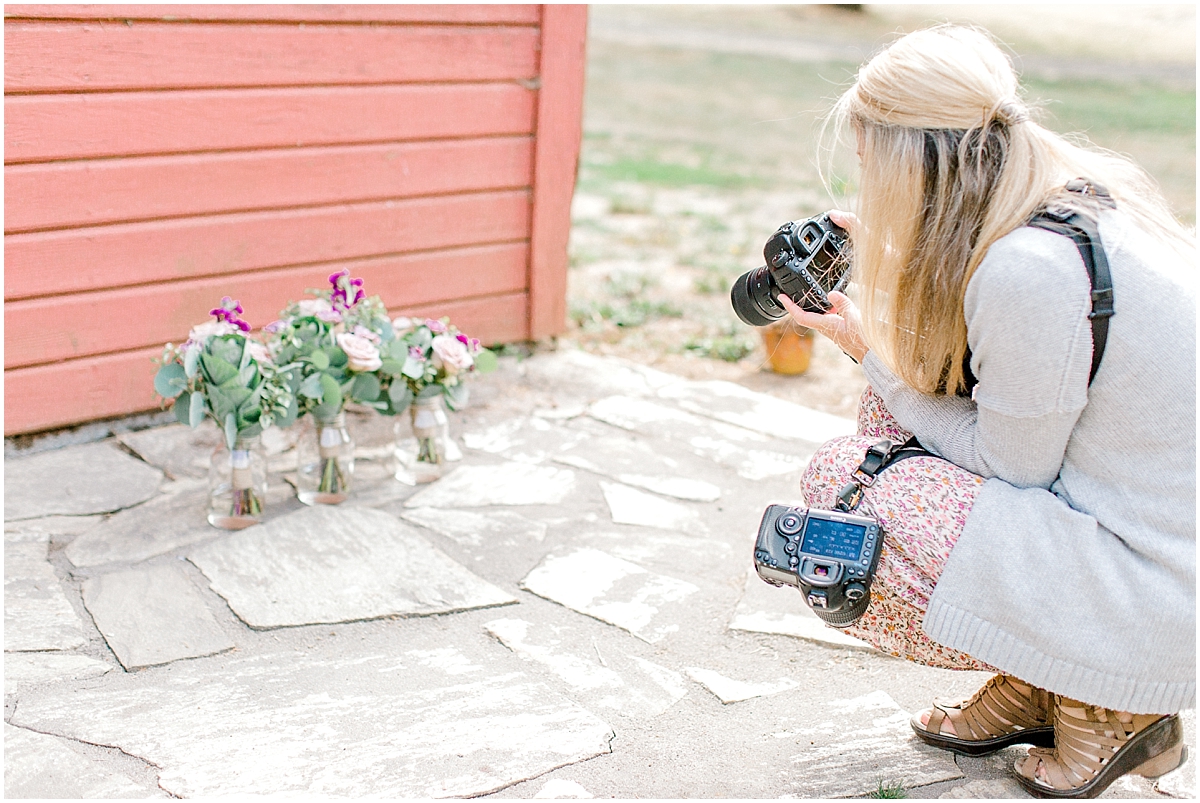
[
  {"x": 437, "y": 358},
  {"x": 222, "y": 374}
]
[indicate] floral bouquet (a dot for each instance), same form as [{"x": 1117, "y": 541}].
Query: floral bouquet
[{"x": 222, "y": 374}]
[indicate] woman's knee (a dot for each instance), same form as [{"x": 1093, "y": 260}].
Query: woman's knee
[{"x": 830, "y": 468}]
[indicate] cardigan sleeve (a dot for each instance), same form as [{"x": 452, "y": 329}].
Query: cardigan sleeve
[{"x": 1026, "y": 313}]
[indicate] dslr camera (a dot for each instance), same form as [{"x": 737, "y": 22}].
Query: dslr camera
[
  {"x": 829, "y": 555},
  {"x": 806, "y": 260}
]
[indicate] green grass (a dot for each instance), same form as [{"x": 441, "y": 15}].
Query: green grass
[{"x": 890, "y": 790}]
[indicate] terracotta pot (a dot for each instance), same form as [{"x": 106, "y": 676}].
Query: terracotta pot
[{"x": 789, "y": 347}]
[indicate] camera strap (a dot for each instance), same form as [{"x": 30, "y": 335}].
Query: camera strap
[
  {"x": 1084, "y": 231},
  {"x": 880, "y": 455}
]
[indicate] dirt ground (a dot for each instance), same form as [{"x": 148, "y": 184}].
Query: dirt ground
[{"x": 700, "y": 138}]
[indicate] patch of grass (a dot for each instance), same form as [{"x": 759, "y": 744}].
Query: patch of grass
[
  {"x": 889, "y": 790},
  {"x": 665, "y": 174},
  {"x": 626, "y": 306},
  {"x": 1109, "y": 108},
  {"x": 731, "y": 345},
  {"x": 713, "y": 281}
]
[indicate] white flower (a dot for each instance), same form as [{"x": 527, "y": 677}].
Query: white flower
[
  {"x": 361, "y": 353},
  {"x": 202, "y": 332},
  {"x": 258, "y": 352},
  {"x": 450, "y": 354},
  {"x": 367, "y": 334},
  {"x": 402, "y": 325}
]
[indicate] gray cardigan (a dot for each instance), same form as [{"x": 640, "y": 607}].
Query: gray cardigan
[{"x": 1076, "y": 570}]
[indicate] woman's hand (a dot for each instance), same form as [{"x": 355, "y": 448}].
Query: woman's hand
[{"x": 842, "y": 324}]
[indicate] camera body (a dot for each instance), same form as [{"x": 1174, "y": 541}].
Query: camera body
[
  {"x": 806, "y": 260},
  {"x": 829, "y": 555}
]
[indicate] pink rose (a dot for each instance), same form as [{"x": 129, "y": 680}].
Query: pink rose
[
  {"x": 361, "y": 353},
  {"x": 367, "y": 334},
  {"x": 202, "y": 332},
  {"x": 451, "y": 355},
  {"x": 258, "y": 352}
]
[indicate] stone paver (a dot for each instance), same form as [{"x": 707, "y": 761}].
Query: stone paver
[
  {"x": 612, "y": 590},
  {"x": 765, "y": 608},
  {"x": 76, "y": 481},
  {"x": 40, "y": 529},
  {"x": 608, "y": 681},
  {"x": 728, "y": 690},
  {"x": 22, "y": 668},
  {"x": 178, "y": 450},
  {"x": 508, "y": 483},
  {"x": 768, "y": 415},
  {"x": 559, "y": 789},
  {"x": 862, "y": 742},
  {"x": 336, "y": 565},
  {"x": 529, "y": 439},
  {"x": 43, "y": 766},
  {"x": 162, "y": 525},
  {"x": 384, "y": 717},
  {"x": 472, "y": 529},
  {"x": 37, "y": 614},
  {"x": 153, "y": 615},
  {"x": 633, "y": 462},
  {"x": 630, "y": 506},
  {"x": 996, "y": 789}
]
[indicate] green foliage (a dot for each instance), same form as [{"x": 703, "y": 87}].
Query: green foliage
[
  {"x": 890, "y": 790},
  {"x": 730, "y": 346}
]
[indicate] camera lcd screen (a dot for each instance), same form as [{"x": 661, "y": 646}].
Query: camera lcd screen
[{"x": 833, "y": 539}]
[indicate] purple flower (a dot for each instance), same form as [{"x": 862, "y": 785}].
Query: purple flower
[
  {"x": 416, "y": 353},
  {"x": 274, "y": 327},
  {"x": 342, "y": 287},
  {"x": 228, "y": 312},
  {"x": 461, "y": 338},
  {"x": 435, "y": 326}
]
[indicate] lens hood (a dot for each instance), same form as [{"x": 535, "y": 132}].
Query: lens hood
[{"x": 744, "y": 303}]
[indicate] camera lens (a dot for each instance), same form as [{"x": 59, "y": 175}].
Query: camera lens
[
  {"x": 788, "y": 524},
  {"x": 752, "y": 300}
]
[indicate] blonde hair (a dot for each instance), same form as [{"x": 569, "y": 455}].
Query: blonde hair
[{"x": 951, "y": 162}]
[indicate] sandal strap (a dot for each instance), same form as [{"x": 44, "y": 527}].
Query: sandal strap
[{"x": 1001, "y": 706}]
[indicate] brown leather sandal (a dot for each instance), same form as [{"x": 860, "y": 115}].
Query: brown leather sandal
[
  {"x": 1093, "y": 748},
  {"x": 1006, "y": 711}
]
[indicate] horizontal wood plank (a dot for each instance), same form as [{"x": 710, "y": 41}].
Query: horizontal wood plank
[
  {"x": 127, "y": 254},
  {"x": 61, "y": 394},
  {"x": 465, "y": 14},
  {"x": 56, "y": 127},
  {"x": 85, "y": 193},
  {"x": 45, "y": 330},
  {"x": 94, "y": 56}
]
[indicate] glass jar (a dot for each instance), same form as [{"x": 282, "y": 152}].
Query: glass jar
[
  {"x": 423, "y": 445},
  {"x": 237, "y": 484},
  {"x": 325, "y": 461}
]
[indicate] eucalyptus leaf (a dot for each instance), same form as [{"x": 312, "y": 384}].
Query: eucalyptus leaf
[
  {"x": 289, "y": 416},
  {"x": 398, "y": 349},
  {"x": 183, "y": 406},
  {"x": 245, "y": 356},
  {"x": 191, "y": 361},
  {"x": 217, "y": 370},
  {"x": 163, "y": 384},
  {"x": 331, "y": 393},
  {"x": 392, "y": 367},
  {"x": 366, "y": 388},
  {"x": 485, "y": 361},
  {"x": 250, "y": 431},
  {"x": 227, "y": 348},
  {"x": 413, "y": 368},
  {"x": 337, "y": 357},
  {"x": 431, "y": 391},
  {"x": 235, "y": 397},
  {"x": 400, "y": 395},
  {"x": 231, "y": 431},
  {"x": 456, "y": 396},
  {"x": 310, "y": 388},
  {"x": 320, "y": 360},
  {"x": 220, "y": 402},
  {"x": 246, "y": 375},
  {"x": 196, "y": 408}
]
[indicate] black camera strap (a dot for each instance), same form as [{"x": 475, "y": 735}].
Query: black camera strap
[
  {"x": 1084, "y": 231},
  {"x": 880, "y": 455}
]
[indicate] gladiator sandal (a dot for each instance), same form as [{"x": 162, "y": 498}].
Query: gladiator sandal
[
  {"x": 1004, "y": 712},
  {"x": 1093, "y": 748}
]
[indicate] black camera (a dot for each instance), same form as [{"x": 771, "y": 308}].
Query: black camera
[
  {"x": 806, "y": 260},
  {"x": 829, "y": 555}
]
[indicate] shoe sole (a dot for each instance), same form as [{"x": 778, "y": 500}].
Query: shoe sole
[
  {"x": 1146, "y": 751},
  {"x": 1042, "y": 736}
]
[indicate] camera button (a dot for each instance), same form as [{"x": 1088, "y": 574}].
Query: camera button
[
  {"x": 790, "y": 548},
  {"x": 793, "y": 561}
]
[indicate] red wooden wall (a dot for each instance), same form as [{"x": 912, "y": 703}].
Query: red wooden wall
[{"x": 160, "y": 157}]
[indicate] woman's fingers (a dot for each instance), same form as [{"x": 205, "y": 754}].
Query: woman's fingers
[{"x": 847, "y": 220}]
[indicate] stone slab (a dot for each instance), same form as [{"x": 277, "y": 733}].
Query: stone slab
[
  {"x": 494, "y": 528},
  {"x": 559, "y": 788},
  {"x": 25, "y": 668},
  {"x": 170, "y": 521},
  {"x": 530, "y": 439},
  {"x": 509, "y": 483},
  {"x": 153, "y": 615},
  {"x": 178, "y": 450},
  {"x": 605, "y": 681},
  {"x": 765, "y": 608},
  {"x": 37, "y": 614},
  {"x": 326, "y": 564},
  {"x": 76, "y": 481},
  {"x": 995, "y": 789},
  {"x": 728, "y": 690},
  {"x": 751, "y": 463},
  {"x": 860, "y": 743},
  {"x": 612, "y": 590},
  {"x": 44, "y": 528},
  {"x": 37, "y": 765},
  {"x": 760, "y": 412},
  {"x": 393, "y": 715},
  {"x": 630, "y": 506},
  {"x": 634, "y": 462},
  {"x": 577, "y": 373}
]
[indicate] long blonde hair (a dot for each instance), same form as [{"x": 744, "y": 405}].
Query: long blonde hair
[{"x": 951, "y": 162}]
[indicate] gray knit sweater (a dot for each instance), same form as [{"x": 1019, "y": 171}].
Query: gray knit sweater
[{"x": 1076, "y": 570}]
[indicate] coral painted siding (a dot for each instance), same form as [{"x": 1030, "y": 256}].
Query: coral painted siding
[{"x": 160, "y": 157}]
